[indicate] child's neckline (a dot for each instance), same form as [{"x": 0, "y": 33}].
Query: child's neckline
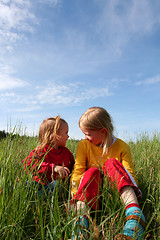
[{"x": 114, "y": 139}]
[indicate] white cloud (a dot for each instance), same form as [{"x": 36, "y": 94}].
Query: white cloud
[
  {"x": 10, "y": 36},
  {"x": 142, "y": 18},
  {"x": 120, "y": 21},
  {"x": 16, "y": 15},
  {"x": 149, "y": 81},
  {"x": 51, "y": 94},
  {"x": 6, "y": 69},
  {"x": 28, "y": 109},
  {"x": 69, "y": 94},
  {"x": 16, "y": 19},
  {"x": 9, "y": 94},
  {"x": 9, "y": 82},
  {"x": 52, "y": 2}
]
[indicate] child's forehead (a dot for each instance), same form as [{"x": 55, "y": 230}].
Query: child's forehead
[{"x": 87, "y": 130}]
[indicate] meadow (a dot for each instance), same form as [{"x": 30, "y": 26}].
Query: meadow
[{"x": 24, "y": 216}]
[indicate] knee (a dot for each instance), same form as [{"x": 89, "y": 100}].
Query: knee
[
  {"x": 111, "y": 166},
  {"x": 93, "y": 171},
  {"x": 110, "y": 163}
]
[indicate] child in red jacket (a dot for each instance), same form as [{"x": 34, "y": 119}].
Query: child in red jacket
[{"x": 50, "y": 160}]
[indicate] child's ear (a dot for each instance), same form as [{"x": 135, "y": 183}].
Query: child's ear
[{"x": 104, "y": 130}]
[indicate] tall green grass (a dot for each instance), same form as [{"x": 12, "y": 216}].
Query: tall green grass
[{"x": 24, "y": 216}]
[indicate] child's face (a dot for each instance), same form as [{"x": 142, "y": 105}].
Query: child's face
[
  {"x": 63, "y": 133},
  {"x": 96, "y": 137}
]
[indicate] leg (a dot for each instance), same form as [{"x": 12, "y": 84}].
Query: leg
[
  {"x": 135, "y": 220},
  {"x": 80, "y": 208},
  {"x": 87, "y": 195},
  {"x": 128, "y": 195},
  {"x": 89, "y": 189},
  {"x": 47, "y": 190}
]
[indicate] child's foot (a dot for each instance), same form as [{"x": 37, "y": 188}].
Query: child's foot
[
  {"x": 80, "y": 229},
  {"x": 135, "y": 225}
]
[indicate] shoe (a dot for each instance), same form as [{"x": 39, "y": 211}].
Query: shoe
[
  {"x": 80, "y": 227},
  {"x": 134, "y": 225}
]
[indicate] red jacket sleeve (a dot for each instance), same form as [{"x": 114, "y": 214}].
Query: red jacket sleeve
[
  {"x": 42, "y": 171},
  {"x": 41, "y": 163}
]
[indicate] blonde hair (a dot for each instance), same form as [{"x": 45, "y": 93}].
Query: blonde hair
[
  {"x": 49, "y": 129},
  {"x": 97, "y": 118}
]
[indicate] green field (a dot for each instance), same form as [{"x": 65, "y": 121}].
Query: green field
[{"x": 23, "y": 216}]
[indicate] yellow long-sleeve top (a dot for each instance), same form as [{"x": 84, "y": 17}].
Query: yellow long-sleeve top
[{"x": 89, "y": 155}]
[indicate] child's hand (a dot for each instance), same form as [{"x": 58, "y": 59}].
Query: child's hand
[{"x": 62, "y": 171}]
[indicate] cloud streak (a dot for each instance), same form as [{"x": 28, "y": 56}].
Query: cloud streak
[
  {"x": 120, "y": 21},
  {"x": 149, "y": 81},
  {"x": 70, "y": 94},
  {"x": 9, "y": 82},
  {"x": 76, "y": 50},
  {"x": 15, "y": 15},
  {"x": 51, "y": 2}
]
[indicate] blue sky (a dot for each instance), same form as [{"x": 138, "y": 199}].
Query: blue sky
[{"x": 64, "y": 56}]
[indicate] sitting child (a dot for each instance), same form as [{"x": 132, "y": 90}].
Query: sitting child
[
  {"x": 101, "y": 150},
  {"x": 50, "y": 160}
]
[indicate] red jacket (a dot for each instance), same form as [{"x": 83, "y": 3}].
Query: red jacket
[{"x": 41, "y": 163}]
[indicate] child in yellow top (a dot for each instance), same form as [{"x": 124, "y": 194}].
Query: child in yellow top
[{"x": 101, "y": 150}]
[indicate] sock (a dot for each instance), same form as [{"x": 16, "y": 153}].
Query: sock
[
  {"x": 132, "y": 205},
  {"x": 81, "y": 223},
  {"x": 133, "y": 227}
]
